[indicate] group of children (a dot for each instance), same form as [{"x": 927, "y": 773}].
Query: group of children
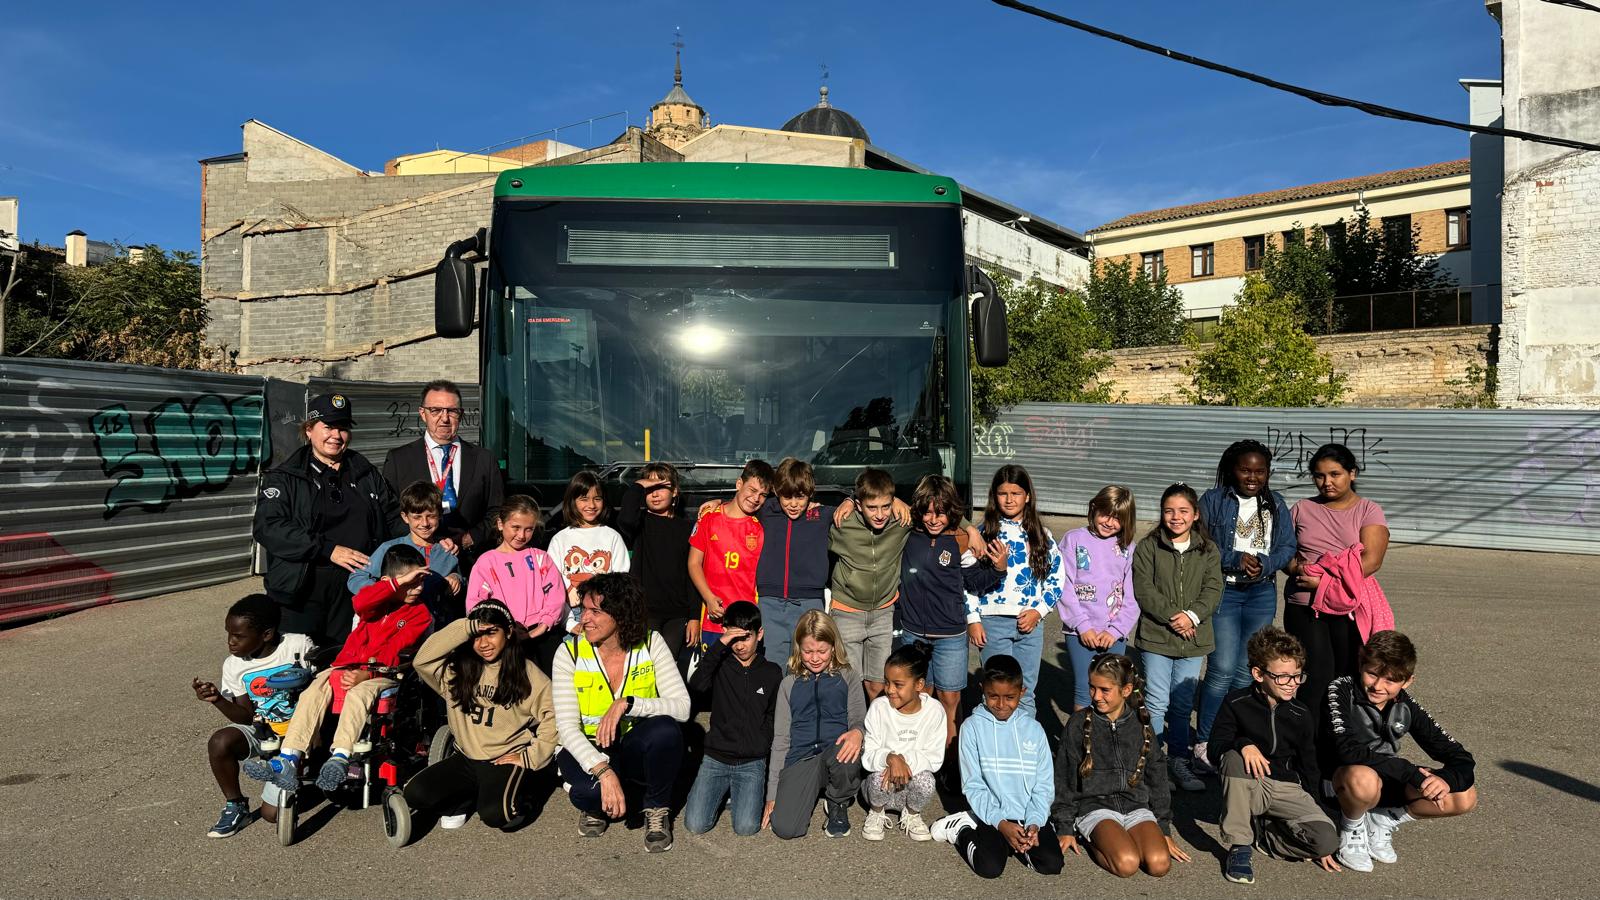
[{"x": 831, "y": 644}]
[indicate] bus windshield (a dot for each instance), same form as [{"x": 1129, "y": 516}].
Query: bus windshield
[{"x": 711, "y": 334}]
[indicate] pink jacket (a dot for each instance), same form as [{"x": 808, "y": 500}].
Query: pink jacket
[
  {"x": 1345, "y": 591},
  {"x": 528, "y": 581}
]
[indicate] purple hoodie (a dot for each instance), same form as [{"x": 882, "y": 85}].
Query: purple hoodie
[{"x": 1099, "y": 588}]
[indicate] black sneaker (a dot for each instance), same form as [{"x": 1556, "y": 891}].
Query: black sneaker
[
  {"x": 235, "y": 816},
  {"x": 591, "y": 825},
  {"x": 1238, "y": 869},
  {"x": 838, "y": 819},
  {"x": 658, "y": 829}
]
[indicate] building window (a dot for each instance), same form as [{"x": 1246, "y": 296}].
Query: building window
[
  {"x": 1330, "y": 233},
  {"x": 1255, "y": 247},
  {"x": 1202, "y": 260},
  {"x": 1154, "y": 264},
  {"x": 1458, "y": 227},
  {"x": 1294, "y": 236},
  {"x": 1397, "y": 230}
]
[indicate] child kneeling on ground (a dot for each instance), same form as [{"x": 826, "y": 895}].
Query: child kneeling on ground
[
  {"x": 1264, "y": 741},
  {"x": 1005, "y": 774},
  {"x": 905, "y": 745},
  {"x": 744, "y": 696},
  {"x": 255, "y": 712},
  {"x": 1111, "y": 787},
  {"x": 816, "y": 734},
  {"x": 1378, "y": 789},
  {"x": 394, "y": 620}
]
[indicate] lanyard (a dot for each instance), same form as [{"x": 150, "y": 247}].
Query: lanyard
[{"x": 433, "y": 465}]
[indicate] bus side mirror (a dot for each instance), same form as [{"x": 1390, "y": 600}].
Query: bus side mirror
[
  {"x": 455, "y": 289},
  {"x": 990, "y": 343}
]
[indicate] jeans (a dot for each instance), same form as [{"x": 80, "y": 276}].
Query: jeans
[
  {"x": 867, "y": 635},
  {"x": 1245, "y": 610},
  {"x": 1169, "y": 690},
  {"x": 1081, "y": 656},
  {"x": 743, "y": 784},
  {"x": 779, "y": 615},
  {"x": 1003, "y": 639},
  {"x": 646, "y": 759},
  {"x": 947, "y": 669}
]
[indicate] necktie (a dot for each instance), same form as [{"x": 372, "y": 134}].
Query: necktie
[{"x": 448, "y": 486}]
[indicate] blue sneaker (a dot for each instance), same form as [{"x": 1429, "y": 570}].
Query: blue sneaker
[
  {"x": 838, "y": 824},
  {"x": 282, "y": 770},
  {"x": 235, "y": 816},
  {"x": 1238, "y": 869},
  {"x": 333, "y": 772}
]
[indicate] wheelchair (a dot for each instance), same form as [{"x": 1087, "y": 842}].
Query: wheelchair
[{"x": 402, "y": 735}]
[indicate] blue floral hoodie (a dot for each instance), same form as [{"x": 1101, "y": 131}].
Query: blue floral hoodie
[{"x": 1023, "y": 589}]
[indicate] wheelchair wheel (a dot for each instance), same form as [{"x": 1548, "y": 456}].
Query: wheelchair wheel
[
  {"x": 286, "y": 820},
  {"x": 443, "y": 746},
  {"x": 396, "y": 818}
]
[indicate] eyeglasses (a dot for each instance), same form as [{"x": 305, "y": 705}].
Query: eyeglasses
[
  {"x": 453, "y": 412},
  {"x": 1284, "y": 679}
]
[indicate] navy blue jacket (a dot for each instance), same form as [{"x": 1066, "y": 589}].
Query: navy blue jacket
[
  {"x": 794, "y": 552},
  {"x": 1219, "y": 509},
  {"x": 932, "y": 584}
]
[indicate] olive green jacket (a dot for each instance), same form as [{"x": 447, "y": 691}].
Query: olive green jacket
[{"x": 1166, "y": 582}]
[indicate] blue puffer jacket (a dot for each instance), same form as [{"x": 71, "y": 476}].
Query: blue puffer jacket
[{"x": 1219, "y": 509}]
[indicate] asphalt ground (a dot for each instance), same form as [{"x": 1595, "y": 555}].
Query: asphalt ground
[{"x": 104, "y": 787}]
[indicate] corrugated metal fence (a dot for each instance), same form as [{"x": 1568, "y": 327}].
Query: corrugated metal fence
[
  {"x": 1507, "y": 478},
  {"x": 119, "y": 482}
]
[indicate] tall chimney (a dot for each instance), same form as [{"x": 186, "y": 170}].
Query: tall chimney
[{"x": 77, "y": 248}]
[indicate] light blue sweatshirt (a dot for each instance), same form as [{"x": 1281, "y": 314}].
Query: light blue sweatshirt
[{"x": 1006, "y": 770}]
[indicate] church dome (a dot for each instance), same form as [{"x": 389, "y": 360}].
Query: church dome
[{"x": 827, "y": 120}]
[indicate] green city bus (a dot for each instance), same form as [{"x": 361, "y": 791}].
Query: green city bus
[{"x": 706, "y": 314}]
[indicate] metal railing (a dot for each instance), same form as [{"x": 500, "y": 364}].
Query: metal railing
[{"x": 1358, "y": 313}]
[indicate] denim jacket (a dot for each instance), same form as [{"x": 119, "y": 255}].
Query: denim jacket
[{"x": 1219, "y": 509}]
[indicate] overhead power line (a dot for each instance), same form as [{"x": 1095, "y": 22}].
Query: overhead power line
[
  {"x": 1371, "y": 109},
  {"x": 1576, "y": 4}
]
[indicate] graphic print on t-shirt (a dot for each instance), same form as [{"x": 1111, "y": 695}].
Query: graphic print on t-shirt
[{"x": 581, "y": 564}]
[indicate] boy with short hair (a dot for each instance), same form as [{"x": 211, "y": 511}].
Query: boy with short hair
[
  {"x": 649, "y": 520},
  {"x": 1266, "y": 739},
  {"x": 394, "y": 620},
  {"x": 793, "y": 572},
  {"x": 725, "y": 547},
  {"x": 421, "y": 508},
  {"x": 255, "y": 712},
  {"x": 744, "y": 695},
  {"x": 1379, "y": 790}
]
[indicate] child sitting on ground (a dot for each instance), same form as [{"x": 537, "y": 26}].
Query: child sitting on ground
[
  {"x": 394, "y": 620},
  {"x": 255, "y": 712},
  {"x": 744, "y": 695},
  {"x": 1111, "y": 787},
  {"x": 1264, "y": 739},
  {"x": 421, "y": 506},
  {"x": 905, "y": 745},
  {"x": 1378, "y": 789},
  {"x": 1005, "y": 774},
  {"x": 816, "y": 734}
]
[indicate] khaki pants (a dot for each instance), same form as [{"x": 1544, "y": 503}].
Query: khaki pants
[
  {"x": 1279, "y": 816},
  {"x": 315, "y": 702}
]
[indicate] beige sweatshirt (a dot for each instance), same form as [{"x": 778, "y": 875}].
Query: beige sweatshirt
[{"x": 491, "y": 731}]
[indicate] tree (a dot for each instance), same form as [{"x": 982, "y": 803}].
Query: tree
[
  {"x": 1302, "y": 269},
  {"x": 1132, "y": 308},
  {"x": 1056, "y": 351},
  {"x": 144, "y": 312},
  {"x": 1260, "y": 356}
]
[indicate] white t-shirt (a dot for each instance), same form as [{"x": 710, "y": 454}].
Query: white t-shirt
[
  {"x": 1247, "y": 538},
  {"x": 583, "y": 552},
  {"x": 248, "y": 678},
  {"x": 1181, "y": 546},
  {"x": 918, "y": 738}
]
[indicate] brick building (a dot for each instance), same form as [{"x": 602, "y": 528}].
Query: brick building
[{"x": 1207, "y": 248}]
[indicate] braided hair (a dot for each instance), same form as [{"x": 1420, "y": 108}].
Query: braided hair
[
  {"x": 1120, "y": 670},
  {"x": 1226, "y": 479}
]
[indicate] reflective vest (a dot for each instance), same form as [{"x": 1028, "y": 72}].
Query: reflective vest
[{"x": 595, "y": 693}]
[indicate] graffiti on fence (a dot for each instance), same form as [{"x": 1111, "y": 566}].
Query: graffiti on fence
[
  {"x": 1071, "y": 440},
  {"x": 186, "y": 448},
  {"x": 404, "y": 421},
  {"x": 1557, "y": 456},
  {"x": 992, "y": 440},
  {"x": 1292, "y": 449},
  {"x": 27, "y": 451}
]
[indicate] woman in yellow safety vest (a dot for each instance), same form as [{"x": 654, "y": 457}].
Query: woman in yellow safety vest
[{"x": 619, "y": 699}]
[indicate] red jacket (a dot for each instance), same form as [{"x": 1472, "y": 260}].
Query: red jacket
[{"x": 389, "y": 627}]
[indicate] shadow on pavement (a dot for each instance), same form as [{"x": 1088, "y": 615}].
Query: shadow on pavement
[{"x": 1551, "y": 778}]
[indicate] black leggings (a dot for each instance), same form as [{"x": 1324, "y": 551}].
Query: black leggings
[
  {"x": 457, "y": 785},
  {"x": 987, "y": 851},
  {"x": 1333, "y": 646}
]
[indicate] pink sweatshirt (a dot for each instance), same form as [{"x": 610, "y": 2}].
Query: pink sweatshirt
[
  {"x": 528, "y": 581},
  {"x": 1345, "y": 591}
]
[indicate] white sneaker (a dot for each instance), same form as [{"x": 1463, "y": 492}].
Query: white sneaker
[
  {"x": 950, "y": 827},
  {"x": 1201, "y": 764},
  {"x": 1354, "y": 850},
  {"x": 873, "y": 828},
  {"x": 911, "y": 823},
  {"x": 451, "y": 823},
  {"x": 1183, "y": 776},
  {"x": 1381, "y": 826}
]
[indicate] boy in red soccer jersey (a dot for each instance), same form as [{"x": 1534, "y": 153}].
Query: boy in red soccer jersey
[{"x": 725, "y": 546}]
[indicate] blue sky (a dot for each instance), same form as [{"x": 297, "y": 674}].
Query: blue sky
[{"x": 105, "y": 115}]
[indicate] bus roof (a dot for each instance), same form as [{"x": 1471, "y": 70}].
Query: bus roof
[{"x": 726, "y": 181}]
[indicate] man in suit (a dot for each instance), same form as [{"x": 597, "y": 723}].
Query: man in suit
[{"x": 466, "y": 474}]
